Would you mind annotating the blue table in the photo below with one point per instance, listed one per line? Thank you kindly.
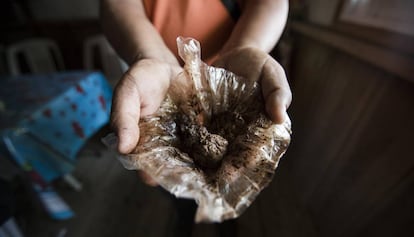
(46, 119)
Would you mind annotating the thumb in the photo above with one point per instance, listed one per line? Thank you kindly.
(277, 103)
(125, 114)
(276, 91)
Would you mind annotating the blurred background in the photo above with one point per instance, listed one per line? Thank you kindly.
(349, 170)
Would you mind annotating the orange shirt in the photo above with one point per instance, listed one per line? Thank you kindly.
(207, 21)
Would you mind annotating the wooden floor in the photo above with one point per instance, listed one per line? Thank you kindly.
(114, 202)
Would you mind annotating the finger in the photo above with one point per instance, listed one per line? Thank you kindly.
(147, 179)
(277, 103)
(276, 91)
(125, 114)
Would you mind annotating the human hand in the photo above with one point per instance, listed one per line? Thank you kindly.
(254, 64)
(139, 93)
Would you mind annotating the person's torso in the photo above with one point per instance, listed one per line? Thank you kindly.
(208, 21)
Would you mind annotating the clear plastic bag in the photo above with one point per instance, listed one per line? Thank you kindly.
(210, 140)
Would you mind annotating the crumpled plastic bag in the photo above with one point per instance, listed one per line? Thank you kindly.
(210, 140)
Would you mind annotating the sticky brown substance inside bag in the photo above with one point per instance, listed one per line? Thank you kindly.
(208, 142)
(207, 149)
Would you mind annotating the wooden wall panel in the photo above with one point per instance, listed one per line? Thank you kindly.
(351, 153)
(399, 211)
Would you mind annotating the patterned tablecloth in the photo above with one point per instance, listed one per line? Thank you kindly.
(46, 119)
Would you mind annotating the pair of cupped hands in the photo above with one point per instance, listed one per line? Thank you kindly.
(143, 87)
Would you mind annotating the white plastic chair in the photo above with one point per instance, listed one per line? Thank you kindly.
(109, 62)
(41, 56)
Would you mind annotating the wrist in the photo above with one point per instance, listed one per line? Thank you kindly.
(238, 55)
(164, 56)
(170, 70)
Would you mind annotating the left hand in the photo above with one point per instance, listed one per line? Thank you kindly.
(259, 66)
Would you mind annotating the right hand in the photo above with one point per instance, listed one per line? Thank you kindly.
(139, 93)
